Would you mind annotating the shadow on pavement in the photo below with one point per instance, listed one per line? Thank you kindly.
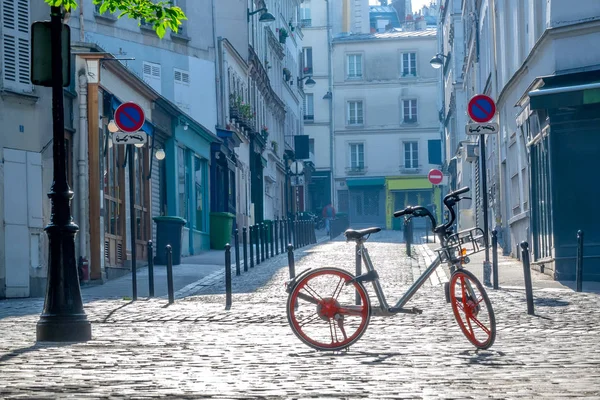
(548, 302)
(24, 350)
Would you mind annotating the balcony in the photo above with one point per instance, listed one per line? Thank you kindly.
(411, 170)
(309, 118)
(307, 71)
(305, 23)
(356, 170)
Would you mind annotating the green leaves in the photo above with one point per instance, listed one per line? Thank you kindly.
(162, 15)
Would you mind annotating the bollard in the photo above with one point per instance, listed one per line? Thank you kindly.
(495, 258)
(292, 267)
(150, 269)
(237, 253)
(281, 235)
(408, 236)
(579, 266)
(227, 276)
(272, 236)
(251, 237)
(276, 235)
(245, 249)
(170, 274)
(527, 276)
(289, 230)
(264, 247)
(427, 222)
(257, 239)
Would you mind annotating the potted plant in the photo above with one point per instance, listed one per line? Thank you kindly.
(283, 34)
(287, 74)
(274, 145)
(264, 131)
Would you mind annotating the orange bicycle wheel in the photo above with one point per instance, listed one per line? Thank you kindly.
(472, 309)
(322, 309)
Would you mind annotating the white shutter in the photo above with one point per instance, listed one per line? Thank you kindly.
(152, 75)
(34, 190)
(16, 45)
(182, 90)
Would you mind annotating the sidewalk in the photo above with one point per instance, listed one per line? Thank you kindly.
(197, 349)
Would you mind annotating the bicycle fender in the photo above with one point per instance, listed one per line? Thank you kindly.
(291, 283)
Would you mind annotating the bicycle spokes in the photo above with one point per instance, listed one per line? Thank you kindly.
(472, 309)
(322, 310)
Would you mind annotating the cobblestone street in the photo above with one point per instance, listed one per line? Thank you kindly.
(197, 349)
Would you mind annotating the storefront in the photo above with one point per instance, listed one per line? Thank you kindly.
(410, 191)
(561, 120)
(187, 165)
(364, 200)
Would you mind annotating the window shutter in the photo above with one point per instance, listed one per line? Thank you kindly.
(16, 45)
(34, 190)
(182, 90)
(152, 76)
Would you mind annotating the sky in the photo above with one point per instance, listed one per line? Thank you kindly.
(416, 4)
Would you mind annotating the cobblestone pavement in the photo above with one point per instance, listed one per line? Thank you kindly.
(197, 349)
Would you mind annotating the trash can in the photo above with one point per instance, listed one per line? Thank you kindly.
(168, 231)
(221, 224)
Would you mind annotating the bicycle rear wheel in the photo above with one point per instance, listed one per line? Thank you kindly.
(472, 309)
(322, 309)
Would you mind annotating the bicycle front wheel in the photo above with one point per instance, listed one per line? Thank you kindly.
(323, 312)
(472, 309)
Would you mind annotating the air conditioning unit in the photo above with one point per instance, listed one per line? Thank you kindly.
(471, 152)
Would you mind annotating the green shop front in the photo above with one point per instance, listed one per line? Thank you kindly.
(410, 191)
(187, 165)
(560, 120)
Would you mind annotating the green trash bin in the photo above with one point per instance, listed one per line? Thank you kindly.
(168, 231)
(221, 224)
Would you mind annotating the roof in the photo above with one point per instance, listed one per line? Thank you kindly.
(395, 34)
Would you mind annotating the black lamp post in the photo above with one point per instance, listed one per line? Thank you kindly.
(63, 318)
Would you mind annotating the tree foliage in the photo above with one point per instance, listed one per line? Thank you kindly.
(162, 15)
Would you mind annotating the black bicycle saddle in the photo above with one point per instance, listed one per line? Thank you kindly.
(352, 234)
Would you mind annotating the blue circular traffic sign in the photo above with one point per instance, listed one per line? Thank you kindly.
(481, 108)
(129, 117)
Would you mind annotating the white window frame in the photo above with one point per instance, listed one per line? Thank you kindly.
(408, 73)
(412, 103)
(309, 106)
(410, 162)
(351, 60)
(355, 164)
(358, 119)
(16, 41)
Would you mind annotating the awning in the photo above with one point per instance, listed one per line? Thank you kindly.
(147, 127)
(355, 182)
(566, 90)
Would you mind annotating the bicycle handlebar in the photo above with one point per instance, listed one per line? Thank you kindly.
(449, 201)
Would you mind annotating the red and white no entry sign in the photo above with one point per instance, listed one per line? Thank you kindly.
(435, 176)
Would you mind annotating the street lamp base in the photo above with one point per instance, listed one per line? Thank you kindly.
(57, 328)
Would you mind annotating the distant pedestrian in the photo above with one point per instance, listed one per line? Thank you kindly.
(328, 214)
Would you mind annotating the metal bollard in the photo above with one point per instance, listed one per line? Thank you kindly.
(257, 239)
(251, 233)
(227, 276)
(427, 222)
(272, 236)
(281, 235)
(170, 274)
(276, 235)
(291, 265)
(495, 258)
(150, 269)
(527, 276)
(264, 246)
(237, 253)
(579, 265)
(245, 248)
(408, 236)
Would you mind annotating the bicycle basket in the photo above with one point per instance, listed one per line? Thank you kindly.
(472, 240)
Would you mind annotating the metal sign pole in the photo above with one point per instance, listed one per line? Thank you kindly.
(483, 177)
(132, 219)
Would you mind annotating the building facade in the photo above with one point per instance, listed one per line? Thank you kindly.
(386, 123)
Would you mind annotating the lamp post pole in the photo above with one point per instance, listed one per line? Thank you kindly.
(63, 318)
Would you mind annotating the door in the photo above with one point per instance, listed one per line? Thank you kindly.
(22, 211)
(114, 209)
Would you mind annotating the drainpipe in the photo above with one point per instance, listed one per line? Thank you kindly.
(81, 31)
(331, 128)
(81, 162)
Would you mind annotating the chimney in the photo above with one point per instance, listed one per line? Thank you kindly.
(400, 7)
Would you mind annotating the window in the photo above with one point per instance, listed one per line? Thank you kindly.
(182, 90)
(182, 179)
(307, 62)
(199, 192)
(409, 111)
(311, 146)
(409, 64)
(309, 107)
(152, 75)
(15, 45)
(411, 155)
(355, 66)
(355, 113)
(305, 15)
(357, 156)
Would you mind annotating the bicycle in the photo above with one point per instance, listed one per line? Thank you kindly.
(334, 312)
